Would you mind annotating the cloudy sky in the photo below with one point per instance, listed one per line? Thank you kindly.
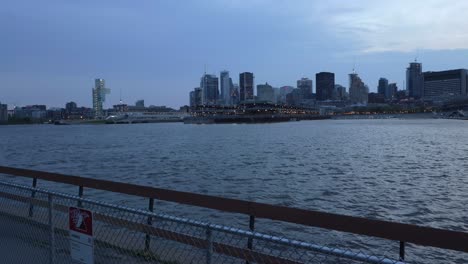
(157, 50)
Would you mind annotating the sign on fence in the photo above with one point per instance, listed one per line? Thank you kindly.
(81, 235)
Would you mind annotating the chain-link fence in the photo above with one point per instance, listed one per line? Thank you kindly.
(35, 229)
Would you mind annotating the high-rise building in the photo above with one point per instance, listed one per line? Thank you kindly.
(443, 85)
(265, 93)
(3, 113)
(210, 91)
(383, 86)
(196, 97)
(284, 91)
(226, 87)
(246, 86)
(325, 82)
(305, 85)
(358, 91)
(340, 92)
(99, 97)
(295, 97)
(414, 80)
(391, 91)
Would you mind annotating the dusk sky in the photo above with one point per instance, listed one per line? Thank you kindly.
(51, 51)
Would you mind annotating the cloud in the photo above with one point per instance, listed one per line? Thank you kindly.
(398, 25)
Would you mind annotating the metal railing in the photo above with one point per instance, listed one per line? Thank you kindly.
(402, 233)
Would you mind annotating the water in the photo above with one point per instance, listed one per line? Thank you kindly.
(411, 171)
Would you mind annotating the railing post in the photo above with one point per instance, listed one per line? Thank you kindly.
(33, 194)
(80, 194)
(252, 228)
(149, 222)
(402, 250)
(209, 245)
(52, 229)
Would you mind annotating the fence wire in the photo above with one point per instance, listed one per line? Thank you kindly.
(34, 228)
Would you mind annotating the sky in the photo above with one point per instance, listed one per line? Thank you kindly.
(157, 50)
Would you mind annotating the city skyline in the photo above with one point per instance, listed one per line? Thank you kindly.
(57, 48)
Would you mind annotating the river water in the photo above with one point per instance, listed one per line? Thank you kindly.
(412, 171)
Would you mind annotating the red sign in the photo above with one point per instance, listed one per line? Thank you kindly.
(80, 220)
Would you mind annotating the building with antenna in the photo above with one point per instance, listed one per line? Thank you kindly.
(358, 91)
(209, 87)
(414, 80)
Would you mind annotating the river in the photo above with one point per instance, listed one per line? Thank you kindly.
(404, 170)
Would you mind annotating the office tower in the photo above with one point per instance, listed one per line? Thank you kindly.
(325, 82)
(444, 85)
(358, 91)
(99, 97)
(341, 93)
(246, 86)
(305, 85)
(414, 80)
(226, 87)
(383, 86)
(210, 91)
(265, 93)
(391, 91)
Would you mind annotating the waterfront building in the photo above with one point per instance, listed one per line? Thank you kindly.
(305, 85)
(226, 87)
(444, 85)
(265, 93)
(391, 91)
(3, 113)
(210, 91)
(99, 97)
(325, 82)
(358, 91)
(246, 86)
(383, 86)
(414, 80)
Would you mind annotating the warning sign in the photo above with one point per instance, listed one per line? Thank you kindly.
(81, 235)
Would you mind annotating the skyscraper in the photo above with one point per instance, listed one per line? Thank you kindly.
(383, 86)
(341, 93)
(325, 82)
(225, 84)
(196, 97)
(305, 85)
(99, 97)
(246, 86)
(265, 93)
(358, 91)
(414, 80)
(210, 91)
(391, 91)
